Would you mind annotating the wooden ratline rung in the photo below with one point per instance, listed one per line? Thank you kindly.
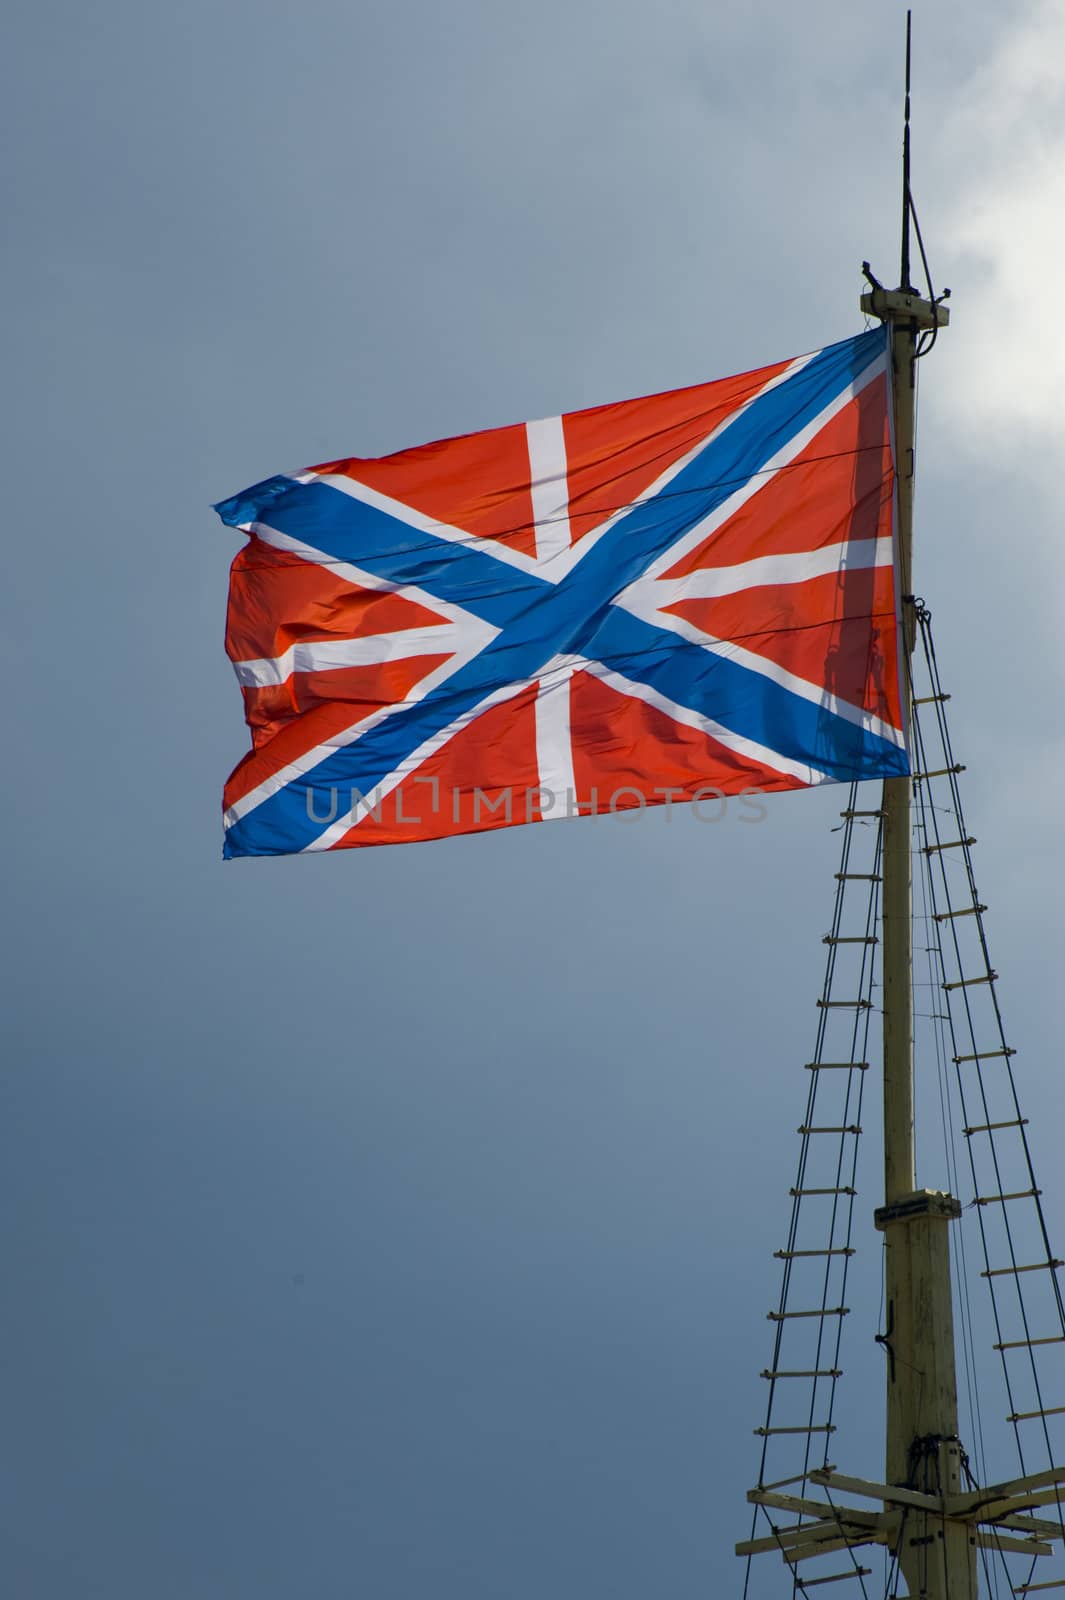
(852, 1128)
(850, 938)
(825, 1311)
(984, 1055)
(837, 1577)
(858, 877)
(821, 1547)
(951, 844)
(940, 772)
(930, 699)
(837, 1066)
(813, 1372)
(989, 1127)
(849, 815)
(965, 983)
(1017, 1194)
(799, 1477)
(810, 1427)
(965, 911)
(1027, 1416)
(1030, 1588)
(844, 1005)
(800, 1194)
(1026, 1344)
(1011, 1272)
(793, 1255)
(844, 1539)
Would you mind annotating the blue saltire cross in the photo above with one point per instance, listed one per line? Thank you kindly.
(538, 620)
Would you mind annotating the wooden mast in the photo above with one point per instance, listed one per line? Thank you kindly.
(923, 1451)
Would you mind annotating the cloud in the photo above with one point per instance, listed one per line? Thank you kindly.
(1001, 233)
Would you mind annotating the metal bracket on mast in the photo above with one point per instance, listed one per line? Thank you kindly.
(922, 1203)
(904, 305)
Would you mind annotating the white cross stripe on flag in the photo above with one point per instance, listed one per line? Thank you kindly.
(549, 483)
(482, 531)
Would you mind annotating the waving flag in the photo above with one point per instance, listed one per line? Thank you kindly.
(643, 603)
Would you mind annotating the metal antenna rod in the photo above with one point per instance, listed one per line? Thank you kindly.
(904, 279)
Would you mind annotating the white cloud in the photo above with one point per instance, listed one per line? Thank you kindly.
(1000, 233)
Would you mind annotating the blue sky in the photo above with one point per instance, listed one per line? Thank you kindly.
(403, 1222)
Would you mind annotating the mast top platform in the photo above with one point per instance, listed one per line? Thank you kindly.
(904, 305)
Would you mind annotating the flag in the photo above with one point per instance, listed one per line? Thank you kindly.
(684, 596)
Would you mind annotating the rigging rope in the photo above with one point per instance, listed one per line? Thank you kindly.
(984, 1079)
(999, 1104)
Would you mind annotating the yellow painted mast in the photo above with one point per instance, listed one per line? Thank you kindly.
(923, 1451)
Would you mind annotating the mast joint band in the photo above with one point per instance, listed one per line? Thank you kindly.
(924, 1203)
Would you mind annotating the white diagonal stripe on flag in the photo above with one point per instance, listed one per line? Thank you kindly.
(816, 693)
(698, 534)
(578, 551)
(499, 548)
(408, 766)
(749, 749)
(474, 633)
